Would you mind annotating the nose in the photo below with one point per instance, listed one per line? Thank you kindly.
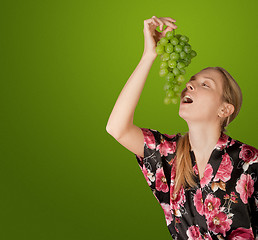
(189, 86)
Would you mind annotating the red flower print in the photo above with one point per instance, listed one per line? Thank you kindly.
(149, 138)
(211, 205)
(195, 168)
(177, 200)
(219, 223)
(207, 176)
(249, 154)
(161, 181)
(245, 187)
(222, 142)
(165, 147)
(241, 234)
(225, 169)
(198, 202)
(168, 215)
(193, 233)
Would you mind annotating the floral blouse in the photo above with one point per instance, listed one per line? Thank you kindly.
(223, 205)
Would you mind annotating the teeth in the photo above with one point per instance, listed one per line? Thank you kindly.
(186, 97)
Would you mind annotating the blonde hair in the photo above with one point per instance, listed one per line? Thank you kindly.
(184, 170)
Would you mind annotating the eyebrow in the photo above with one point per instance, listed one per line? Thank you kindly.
(194, 78)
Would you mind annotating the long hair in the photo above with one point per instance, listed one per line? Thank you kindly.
(184, 170)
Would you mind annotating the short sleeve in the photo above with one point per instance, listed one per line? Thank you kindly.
(159, 153)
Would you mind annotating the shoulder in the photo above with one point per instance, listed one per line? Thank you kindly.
(153, 134)
(164, 143)
(246, 154)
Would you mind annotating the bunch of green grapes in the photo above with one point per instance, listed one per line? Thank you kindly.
(175, 55)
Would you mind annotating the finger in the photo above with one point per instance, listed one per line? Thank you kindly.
(172, 25)
(170, 19)
(161, 24)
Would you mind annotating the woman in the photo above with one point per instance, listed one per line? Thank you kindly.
(205, 181)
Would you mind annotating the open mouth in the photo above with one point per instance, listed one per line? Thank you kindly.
(187, 99)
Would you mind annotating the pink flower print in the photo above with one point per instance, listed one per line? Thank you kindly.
(167, 212)
(211, 205)
(149, 176)
(161, 181)
(245, 187)
(225, 169)
(219, 223)
(193, 233)
(145, 173)
(207, 176)
(166, 147)
(207, 236)
(149, 138)
(195, 168)
(241, 234)
(198, 202)
(232, 142)
(249, 154)
(222, 142)
(177, 200)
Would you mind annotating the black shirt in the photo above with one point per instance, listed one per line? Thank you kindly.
(223, 205)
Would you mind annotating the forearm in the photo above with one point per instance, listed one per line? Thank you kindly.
(122, 114)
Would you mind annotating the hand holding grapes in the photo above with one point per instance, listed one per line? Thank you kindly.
(152, 36)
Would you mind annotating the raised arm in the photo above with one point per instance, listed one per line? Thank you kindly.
(120, 123)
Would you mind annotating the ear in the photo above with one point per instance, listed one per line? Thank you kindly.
(226, 110)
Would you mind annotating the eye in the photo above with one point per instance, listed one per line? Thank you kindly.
(205, 84)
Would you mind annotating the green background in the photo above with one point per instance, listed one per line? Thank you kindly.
(63, 65)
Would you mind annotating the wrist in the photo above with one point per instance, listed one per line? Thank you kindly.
(149, 55)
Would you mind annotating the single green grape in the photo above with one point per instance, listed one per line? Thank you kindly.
(167, 100)
(174, 56)
(163, 72)
(164, 64)
(178, 36)
(163, 41)
(188, 57)
(193, 53)
(170, 93)
(186, 62)
(182, 71)
(176, 88)
(158, 43)
(174, 41)
(165, 56)
(167, 86)
(184, 38)
(176, 71)
(170, 76)
(180, 78)
(169, 48)
(160, 49)
(172, 63)
(174, 100)
(178, 48)
(180, 65)
(169, 34)
(181, 43)
(187, 49)
(182, 55)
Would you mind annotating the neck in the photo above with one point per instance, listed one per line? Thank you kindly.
(203, 138)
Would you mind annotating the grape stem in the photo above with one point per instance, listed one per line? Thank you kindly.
(174, 32)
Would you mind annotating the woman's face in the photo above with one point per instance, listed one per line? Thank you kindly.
(205, 89)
